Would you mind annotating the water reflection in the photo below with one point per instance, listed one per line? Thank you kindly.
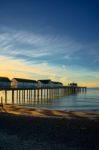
(35, 97)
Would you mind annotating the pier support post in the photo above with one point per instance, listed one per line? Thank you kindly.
(17, 96)
(41, 94)
(24, 96)
(34, 94)
(47, 93)
(5, 97)
(31, 96)
(44, 93)
(27, 95)
(52, 93)
(37, 94)
(12, 96)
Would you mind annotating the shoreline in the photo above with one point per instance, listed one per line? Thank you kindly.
(82, 110)
(37, 129)
(39, 112)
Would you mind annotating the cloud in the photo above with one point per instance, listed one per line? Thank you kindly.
(13, 68)
(29, 55)
(25, 45)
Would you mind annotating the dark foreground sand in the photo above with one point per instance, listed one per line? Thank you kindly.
(29, 132)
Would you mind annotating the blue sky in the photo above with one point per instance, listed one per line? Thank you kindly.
(57, 39)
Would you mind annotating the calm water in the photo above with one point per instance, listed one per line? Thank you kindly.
(81, 101)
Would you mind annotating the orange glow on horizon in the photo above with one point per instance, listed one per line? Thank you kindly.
(12, 68)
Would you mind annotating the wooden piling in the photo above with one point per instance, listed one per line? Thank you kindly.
(12, 96)
(5, 96)
(17, 96)
(34, 94)
(41, 93)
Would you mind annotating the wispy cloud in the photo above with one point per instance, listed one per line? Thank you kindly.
(27, 44)
(47, 56)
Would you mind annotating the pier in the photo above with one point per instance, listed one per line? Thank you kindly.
(31, 95)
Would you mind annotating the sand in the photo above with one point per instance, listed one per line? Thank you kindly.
(36, 112)
(41, 129)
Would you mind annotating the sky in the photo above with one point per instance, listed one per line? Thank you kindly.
(50, 39)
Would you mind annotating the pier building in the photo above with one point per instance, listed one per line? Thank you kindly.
(23, 83)
(5, 82)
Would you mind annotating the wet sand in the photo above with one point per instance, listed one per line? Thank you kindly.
(41, 129)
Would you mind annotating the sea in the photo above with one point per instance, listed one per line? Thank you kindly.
(81, 101)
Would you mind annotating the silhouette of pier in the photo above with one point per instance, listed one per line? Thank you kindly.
(30, 95)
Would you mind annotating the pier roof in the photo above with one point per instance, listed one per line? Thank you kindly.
(4, 79)
(25, 80)
(45, 81)
(56, 82)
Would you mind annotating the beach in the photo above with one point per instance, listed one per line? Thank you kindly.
(41, 129)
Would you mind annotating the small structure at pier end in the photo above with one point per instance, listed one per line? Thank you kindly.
(73, 84)
(23, 83)
(5, 82)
